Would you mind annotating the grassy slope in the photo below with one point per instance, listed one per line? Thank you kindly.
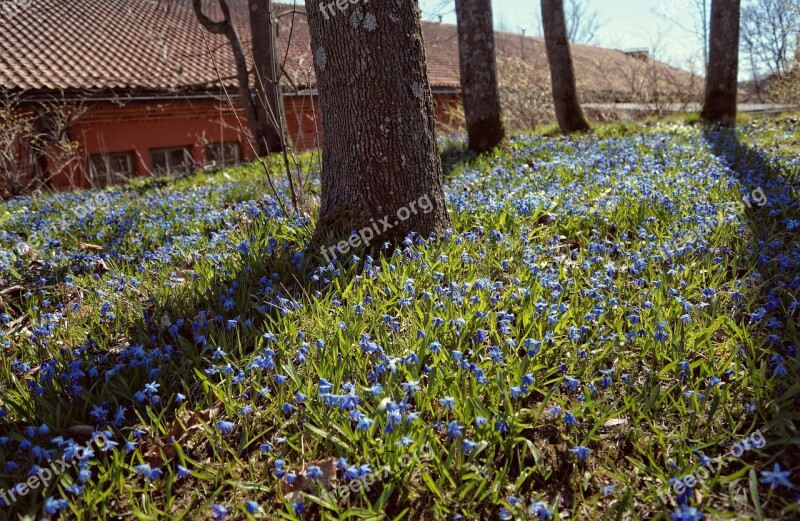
(572, 282)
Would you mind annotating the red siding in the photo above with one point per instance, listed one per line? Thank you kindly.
(140, 126)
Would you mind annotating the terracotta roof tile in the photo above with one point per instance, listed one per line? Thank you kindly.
(157, 45)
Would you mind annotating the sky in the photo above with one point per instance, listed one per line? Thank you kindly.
(624, 24)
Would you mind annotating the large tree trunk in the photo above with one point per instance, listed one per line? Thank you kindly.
(723, 63)
(379, 148)
(562, 72)
(269, 102)
(479, 93)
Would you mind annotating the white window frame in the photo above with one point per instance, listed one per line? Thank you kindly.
(170, 168)
(108, 176)
(220, 146)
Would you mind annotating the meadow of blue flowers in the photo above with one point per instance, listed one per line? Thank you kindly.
(596, 326)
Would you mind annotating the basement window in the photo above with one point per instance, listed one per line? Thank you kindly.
(108, 169)
(171, 160)
(220, 155)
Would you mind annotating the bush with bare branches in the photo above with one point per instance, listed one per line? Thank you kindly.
(524, 94)
(785, 90)
(35, 145)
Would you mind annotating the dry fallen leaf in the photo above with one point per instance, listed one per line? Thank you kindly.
(101, 267)
(614, 422)
(545, 219)
(89, 247)
(293, 492)
(81, 431)
(13, 292)
(186, 422)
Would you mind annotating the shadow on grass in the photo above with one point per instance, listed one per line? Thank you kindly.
(168, 348)
(768, 188)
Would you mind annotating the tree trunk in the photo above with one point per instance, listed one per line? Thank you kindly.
(379, 149)
(723, 63)
(249, 102)
(479, 93)
(266, 62)
(562, 72)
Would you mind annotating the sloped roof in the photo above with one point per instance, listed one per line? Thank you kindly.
(157, 45)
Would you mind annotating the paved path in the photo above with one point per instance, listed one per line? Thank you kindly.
(747, 108)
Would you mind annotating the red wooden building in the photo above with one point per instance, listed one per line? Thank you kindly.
(149, 92)
(146, 84)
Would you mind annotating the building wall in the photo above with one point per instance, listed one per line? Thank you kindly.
(138, 127)
(449, 112)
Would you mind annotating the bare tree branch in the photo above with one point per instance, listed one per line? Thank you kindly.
(208, 24)
(582, 23)
(227, 28)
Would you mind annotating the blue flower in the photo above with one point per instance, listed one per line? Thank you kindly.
(581, 452)
(314, 472)
(364, 423)
(540, 509)
(448, 402)
(533, 346)
(405, 441)
(252, 507)
(686, 513)
(775, 477)
(147, 472)
(52, 506)
(183, 472)
(454, 429)
(225, 427)
(298, 507)
(572, 384)
(218, 512)
(410, 387)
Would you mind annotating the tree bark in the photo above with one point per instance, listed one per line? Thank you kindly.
(249, 102)
(266, 65)
(379, 146)
(479, 91)
(562, 71)
(723, 64)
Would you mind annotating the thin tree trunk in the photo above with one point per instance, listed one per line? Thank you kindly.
(479, 92)
(379, 148)
(562, 71)
(269, 102)
(723, 63)
(227, 28)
